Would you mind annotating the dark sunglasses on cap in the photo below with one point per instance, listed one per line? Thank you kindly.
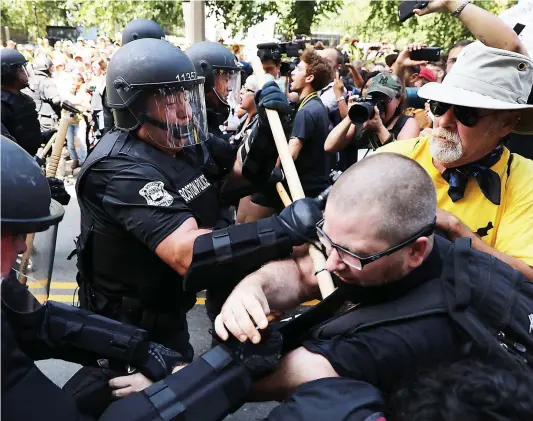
(358, 262)
(467, 116)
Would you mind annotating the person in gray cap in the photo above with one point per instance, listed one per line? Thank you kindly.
(484, 191)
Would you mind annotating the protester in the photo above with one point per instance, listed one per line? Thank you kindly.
(377, 234)
(309, 130)
(333, 96)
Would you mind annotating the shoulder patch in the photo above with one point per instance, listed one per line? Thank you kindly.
(155, 194)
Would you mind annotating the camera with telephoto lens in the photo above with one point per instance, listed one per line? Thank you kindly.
(363, 109)
(274, 50)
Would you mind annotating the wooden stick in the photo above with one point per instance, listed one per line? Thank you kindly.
(23, 268)
(325, 282)
(283, 195)
(59, 142)
(48, 145)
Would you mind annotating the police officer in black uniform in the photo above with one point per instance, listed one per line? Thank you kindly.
(136, 29)
(44, 92)
(218, 66)
(19, 115)
(31, 331)
(147, 206)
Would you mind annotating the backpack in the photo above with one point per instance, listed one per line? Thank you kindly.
(488, 301)
(494, 310)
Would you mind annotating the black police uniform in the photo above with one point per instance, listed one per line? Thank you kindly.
(43, 90)
(132, 196)
(20, 118)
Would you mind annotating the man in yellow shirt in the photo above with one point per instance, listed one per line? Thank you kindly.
(484, 192)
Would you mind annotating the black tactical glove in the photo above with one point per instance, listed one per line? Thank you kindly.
(160, 362)
(300, 219)
(272, 98)
(57, 189)
(260, 359)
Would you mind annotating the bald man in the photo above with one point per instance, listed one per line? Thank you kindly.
(333, 96)
(377, 234)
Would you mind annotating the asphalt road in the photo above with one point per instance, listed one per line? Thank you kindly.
(63, 288)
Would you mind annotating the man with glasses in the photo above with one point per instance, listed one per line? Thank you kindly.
(377, 234)
(484, 192)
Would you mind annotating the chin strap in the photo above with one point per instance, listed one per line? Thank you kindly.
(178, 131)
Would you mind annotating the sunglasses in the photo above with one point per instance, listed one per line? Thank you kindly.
(358, 262)
(467, 116)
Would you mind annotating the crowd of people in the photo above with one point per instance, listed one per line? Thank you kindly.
(427, 240)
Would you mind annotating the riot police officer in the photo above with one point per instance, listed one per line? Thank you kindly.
(147, 207)
(19, 115)
(136, 29)
(44, 92)
(31, 331)
(218, 66)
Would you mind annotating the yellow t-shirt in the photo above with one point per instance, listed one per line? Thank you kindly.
(508, 227)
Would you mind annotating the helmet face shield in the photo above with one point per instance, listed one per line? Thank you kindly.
(29, 258)
(227, 86)
(175, 117)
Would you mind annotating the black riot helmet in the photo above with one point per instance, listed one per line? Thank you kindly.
(26, 205)
(221, 71)
(42, 63)
(152, 82)
(11, 61)
(141, 28)
(29, 220)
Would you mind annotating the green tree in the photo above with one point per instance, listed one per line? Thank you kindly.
(109, 15)
(113, 15)
(378, 21)
(33, 16)
(296, 17)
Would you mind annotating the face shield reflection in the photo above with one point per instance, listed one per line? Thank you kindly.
(176, 116)
(32, 262)
(227, 86)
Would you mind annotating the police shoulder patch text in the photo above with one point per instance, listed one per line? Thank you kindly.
(155, 194)
(194, 189)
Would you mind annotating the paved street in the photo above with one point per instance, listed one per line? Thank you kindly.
(63, 289)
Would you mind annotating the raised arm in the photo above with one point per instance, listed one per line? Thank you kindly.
(486, 27)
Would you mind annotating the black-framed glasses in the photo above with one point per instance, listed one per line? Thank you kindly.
(359, 262)
(467, 116)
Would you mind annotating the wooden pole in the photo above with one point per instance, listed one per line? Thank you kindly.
(325, 282)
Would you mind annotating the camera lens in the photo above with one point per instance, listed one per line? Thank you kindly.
(361, 112)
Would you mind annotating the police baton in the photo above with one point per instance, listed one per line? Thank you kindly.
(325, 282)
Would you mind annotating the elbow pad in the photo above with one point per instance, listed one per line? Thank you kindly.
(228, 255)
(106, 338)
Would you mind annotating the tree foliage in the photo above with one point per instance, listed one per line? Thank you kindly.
(378, 21)
(108, 15)
(295, 17)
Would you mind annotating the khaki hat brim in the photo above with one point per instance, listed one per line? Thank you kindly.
(459, 96)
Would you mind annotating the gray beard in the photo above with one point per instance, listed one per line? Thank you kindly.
(446, 153)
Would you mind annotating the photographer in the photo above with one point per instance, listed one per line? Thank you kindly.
(387, 95)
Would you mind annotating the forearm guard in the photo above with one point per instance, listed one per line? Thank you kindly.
(207, 389)
(225, 256)
(77, 329)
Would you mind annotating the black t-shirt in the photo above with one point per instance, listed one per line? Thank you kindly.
(135, 196)
(385, 355)
(311, 127)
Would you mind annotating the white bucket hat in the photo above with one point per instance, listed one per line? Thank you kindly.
(489, 78)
